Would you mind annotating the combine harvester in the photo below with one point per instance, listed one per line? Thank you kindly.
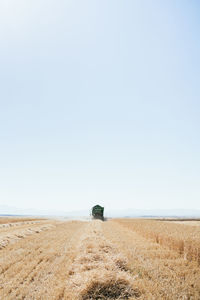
(97, 212)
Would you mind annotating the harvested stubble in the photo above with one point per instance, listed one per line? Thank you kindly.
(179, 237)
(36, 267)
(93, 260)
(160, 273)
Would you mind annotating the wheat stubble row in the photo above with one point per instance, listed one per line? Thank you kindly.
(36, 267)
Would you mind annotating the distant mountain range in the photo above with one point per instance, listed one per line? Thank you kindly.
(9, 210)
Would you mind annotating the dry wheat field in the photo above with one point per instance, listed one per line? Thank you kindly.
(117, 259)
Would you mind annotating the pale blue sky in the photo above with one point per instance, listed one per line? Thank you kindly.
(100, 103)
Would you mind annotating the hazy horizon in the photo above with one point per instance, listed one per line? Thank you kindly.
(99, 103)
(108, 213)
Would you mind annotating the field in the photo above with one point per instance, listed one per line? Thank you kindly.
(116, 259)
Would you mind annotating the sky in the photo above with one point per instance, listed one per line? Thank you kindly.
(100, 103)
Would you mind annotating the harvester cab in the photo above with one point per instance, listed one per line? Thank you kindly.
(97, 212)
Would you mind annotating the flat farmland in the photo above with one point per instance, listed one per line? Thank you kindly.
(116, 259)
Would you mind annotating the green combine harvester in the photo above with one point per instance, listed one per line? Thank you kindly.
(97, 212)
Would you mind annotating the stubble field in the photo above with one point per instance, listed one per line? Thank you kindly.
(116, 259)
